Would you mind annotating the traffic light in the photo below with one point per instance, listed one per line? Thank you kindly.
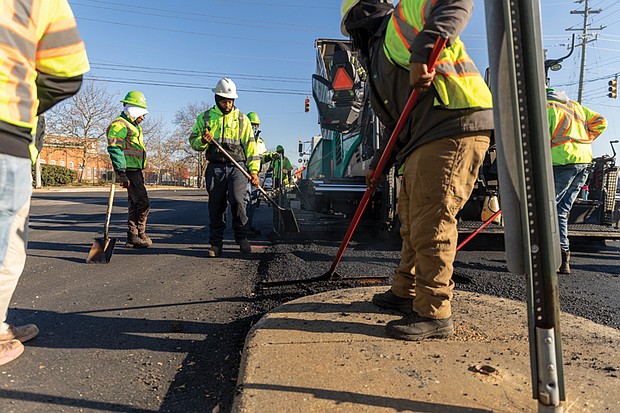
(307, 105)
(613, 88)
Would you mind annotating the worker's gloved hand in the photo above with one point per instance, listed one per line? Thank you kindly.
(124, 181)
(373, 184)
(420, 78)
(254, 179)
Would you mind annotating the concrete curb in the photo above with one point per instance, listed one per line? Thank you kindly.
(328, 353)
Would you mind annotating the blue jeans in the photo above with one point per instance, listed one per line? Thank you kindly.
(568, 182)
(15, 191)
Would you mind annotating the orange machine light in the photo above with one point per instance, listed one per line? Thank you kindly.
(342, 80)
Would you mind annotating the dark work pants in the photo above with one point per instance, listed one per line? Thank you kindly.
(139, 204)
(226, 184)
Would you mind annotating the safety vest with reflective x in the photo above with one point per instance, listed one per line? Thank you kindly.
(573, 128)
(457, 81)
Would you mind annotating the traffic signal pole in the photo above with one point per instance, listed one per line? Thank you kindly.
(517, 77)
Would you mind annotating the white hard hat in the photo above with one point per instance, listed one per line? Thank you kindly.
(226, 88)
(346, 7)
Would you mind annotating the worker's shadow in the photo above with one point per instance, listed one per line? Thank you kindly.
(106, 329)
(68, 333)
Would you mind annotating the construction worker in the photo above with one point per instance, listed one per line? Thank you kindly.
(265, 157)
(43, 60)
(572, 128)
(439, 151)
(232, 130)
(128, 155)
(282, 167)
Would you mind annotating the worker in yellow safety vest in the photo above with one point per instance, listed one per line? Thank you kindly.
(281, 166)
(439, 151)
(572, 129)
(128, 156)
(228, 126)
(42, 62)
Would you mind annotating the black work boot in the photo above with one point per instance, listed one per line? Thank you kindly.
(390, 301)
(412, 327)
(244, 246)
(214, 251)
(565, 267)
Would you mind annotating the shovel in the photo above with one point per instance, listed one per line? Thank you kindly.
(102, 249)
(290, 222)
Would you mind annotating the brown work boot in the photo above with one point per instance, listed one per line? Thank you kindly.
(134, 241)
(390, 301)
(565, 266)
(244, 246)
(412, 327)
(146, 240)
(10, 350)
(214, 251)
(21, 333)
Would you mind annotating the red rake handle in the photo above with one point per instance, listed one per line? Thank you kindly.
(437, 48)
(483, 226)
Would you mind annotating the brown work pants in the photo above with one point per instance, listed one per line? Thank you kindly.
(438, 179)
(139, 204)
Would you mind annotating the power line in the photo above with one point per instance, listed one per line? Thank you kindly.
(133, 26)
(194, 86)
(225, 20)
(198, 73)
(584, 40)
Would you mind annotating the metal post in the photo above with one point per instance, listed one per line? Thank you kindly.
(37, 174)
(526, 182)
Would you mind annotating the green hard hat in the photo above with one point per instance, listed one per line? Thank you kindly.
(254, 119)
(279, 148)
(135, 98)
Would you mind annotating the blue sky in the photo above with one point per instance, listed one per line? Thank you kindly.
(176, 51)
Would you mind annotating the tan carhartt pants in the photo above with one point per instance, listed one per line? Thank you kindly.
(437, 181)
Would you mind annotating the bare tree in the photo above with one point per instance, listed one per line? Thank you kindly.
(184, 120)
(85, 118)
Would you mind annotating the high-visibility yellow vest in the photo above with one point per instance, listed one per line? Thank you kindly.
(572, 129)
(35, 35)
(233, 132)
(126, 144)
(457, 81)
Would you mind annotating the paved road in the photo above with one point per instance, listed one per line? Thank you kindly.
(161, 330)
(153, 330)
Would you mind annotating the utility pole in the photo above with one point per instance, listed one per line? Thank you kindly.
(584, 39)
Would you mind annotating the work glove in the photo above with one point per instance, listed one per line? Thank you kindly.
(124, 181)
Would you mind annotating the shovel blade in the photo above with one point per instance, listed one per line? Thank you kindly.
(289, 220)
(101, 251)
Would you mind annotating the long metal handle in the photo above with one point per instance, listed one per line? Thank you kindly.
(110, 204)
(439, 45)
(245, 173)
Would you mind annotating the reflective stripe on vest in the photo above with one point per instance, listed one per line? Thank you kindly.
(35, 35)
(231, 145)
(570, 140)
(572, 124)
(135, 158)
(458, 82)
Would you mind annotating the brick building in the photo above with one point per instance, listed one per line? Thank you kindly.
(80, 155)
